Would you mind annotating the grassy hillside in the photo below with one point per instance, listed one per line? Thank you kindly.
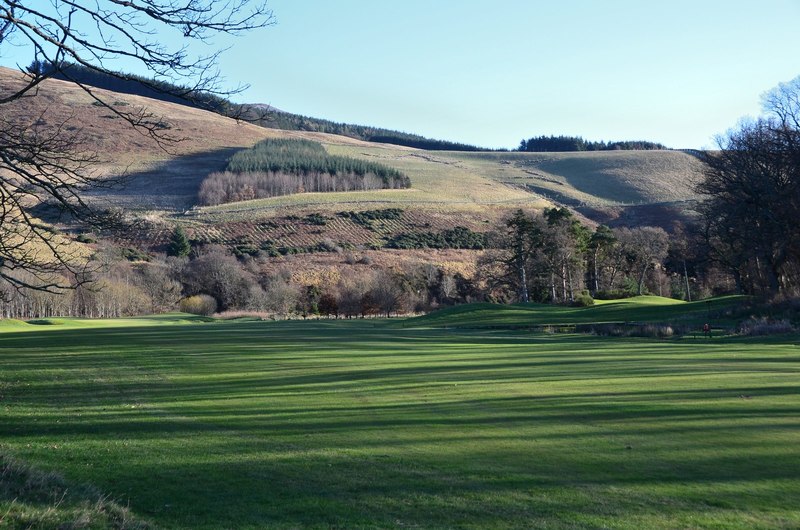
(448, 189)
(359, 424)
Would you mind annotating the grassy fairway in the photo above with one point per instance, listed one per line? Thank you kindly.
(365, 424)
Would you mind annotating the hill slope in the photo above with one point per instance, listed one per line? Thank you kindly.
(448, 189)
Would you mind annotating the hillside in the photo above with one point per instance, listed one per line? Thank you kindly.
(448, 189)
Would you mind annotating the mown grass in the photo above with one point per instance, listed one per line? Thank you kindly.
(361, 424)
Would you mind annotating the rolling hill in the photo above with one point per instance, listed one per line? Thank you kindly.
(470, 189)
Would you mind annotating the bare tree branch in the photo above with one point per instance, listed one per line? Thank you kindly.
(49, 163)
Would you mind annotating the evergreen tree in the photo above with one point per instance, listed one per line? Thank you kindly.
(179, 244)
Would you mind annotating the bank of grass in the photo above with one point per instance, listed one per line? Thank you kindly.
(360, 424)
(721, 311)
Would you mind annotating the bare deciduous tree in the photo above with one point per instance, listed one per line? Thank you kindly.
(752, 189)
(646, 247)
(51, 163)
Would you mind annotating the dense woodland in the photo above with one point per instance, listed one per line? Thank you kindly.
(543, 257)
(281, 167)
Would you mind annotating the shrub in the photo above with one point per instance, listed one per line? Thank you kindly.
(199, 304)
(583, 300)
(134, 254)
(458, 237)
(316, 219)
(366, 218)
(241, 251)
(615, 294)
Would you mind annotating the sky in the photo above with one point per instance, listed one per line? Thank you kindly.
(491, 73)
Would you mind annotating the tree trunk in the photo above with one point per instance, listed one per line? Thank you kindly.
(569, 283)
(641, 279)
(523, 277)
(686, 278)
(737, 279)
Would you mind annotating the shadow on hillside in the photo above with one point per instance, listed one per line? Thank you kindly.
(664, 215)
(167, 185)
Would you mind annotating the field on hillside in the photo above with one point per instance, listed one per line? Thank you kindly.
(477, 190)
(474, 190)
(192, 423)
(443, 180)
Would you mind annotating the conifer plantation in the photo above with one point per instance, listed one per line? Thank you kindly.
(281, 167)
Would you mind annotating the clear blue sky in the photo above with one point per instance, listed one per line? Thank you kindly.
(494, 72)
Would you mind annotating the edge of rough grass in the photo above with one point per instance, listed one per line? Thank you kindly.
(30, 498)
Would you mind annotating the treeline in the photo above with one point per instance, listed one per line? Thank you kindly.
(546, 144)
(135, 84)
(295, 122)
(276, 167)
(212, 280)
(259, 114)
(544, 257)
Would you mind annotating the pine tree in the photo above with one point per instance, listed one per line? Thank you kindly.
(179, 244)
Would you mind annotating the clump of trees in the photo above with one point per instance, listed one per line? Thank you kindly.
(752, 198)
(281, 167)
(576, 143)
(552, 257)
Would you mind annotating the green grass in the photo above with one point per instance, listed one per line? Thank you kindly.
(362, 424)
(634, 310)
